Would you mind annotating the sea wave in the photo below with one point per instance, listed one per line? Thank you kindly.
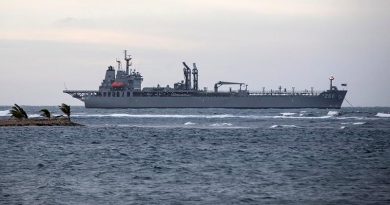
(333, 113)
(288, 113)
(152, 116)
(4, 113)
(284, 126)
(217, 116)
(359, 123)
(33, 115)
(381, 114)
(189, 123)
(221, 124)
(303, 117)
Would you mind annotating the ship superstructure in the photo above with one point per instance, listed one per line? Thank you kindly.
(123, 89)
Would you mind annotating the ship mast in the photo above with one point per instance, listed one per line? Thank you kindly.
(331, 82)
(119, 64)
(127, 59)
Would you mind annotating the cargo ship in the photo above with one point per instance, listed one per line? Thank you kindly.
(122, 88)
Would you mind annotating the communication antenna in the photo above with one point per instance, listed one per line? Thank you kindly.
(65, 86)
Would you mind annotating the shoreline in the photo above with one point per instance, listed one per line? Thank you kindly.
(37, 122)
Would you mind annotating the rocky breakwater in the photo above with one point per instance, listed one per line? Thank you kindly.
(37, 122)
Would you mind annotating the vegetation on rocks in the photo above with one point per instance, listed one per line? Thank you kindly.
(65, 109)
(45, 113)
(19, 117)
(18, 112)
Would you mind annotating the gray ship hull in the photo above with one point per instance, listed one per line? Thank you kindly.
(328, 99)
(123, 89)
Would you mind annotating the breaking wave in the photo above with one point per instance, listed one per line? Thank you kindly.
(288, 113)
(381, 114)
(284, 126)
(331, 114)
(189, 123)
(33, 115)
(152, 116)
(4, 113)
(359, 123)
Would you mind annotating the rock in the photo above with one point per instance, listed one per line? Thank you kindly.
(38, 122)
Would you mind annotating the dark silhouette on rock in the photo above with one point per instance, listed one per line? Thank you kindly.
(45, 113)
(18, 112)
(65, 109)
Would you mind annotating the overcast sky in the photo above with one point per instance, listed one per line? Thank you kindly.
(292, 43)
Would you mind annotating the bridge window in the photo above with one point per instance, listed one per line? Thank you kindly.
(128, 94)
(117, 94)
(109, 94)
(104, 94)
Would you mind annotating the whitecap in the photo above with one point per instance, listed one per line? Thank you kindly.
(302, 117)
(333, 113)
(121, 115)
(33, 115)
(359, 123)
(284, 126)
(288, 113)
(290, 126)
(381, 114)
(221, 124)
(189, 123)
(4, 113)
(342, 127)
(347, 118)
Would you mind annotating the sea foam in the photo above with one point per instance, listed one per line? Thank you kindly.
(221, 124)
(288, 113)
(4, 113)
(122, 115)
(189, 123)
(333, 113)
(381, 114)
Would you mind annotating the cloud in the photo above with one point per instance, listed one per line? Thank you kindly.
(273, 8)
(99, 36)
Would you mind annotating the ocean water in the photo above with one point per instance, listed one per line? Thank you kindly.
(199, 156)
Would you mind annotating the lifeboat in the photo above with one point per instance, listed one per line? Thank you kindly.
(118, 85)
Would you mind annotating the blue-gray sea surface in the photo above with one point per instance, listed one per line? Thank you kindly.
(199, 156)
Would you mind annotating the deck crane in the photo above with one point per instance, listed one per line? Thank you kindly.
(220, 83)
